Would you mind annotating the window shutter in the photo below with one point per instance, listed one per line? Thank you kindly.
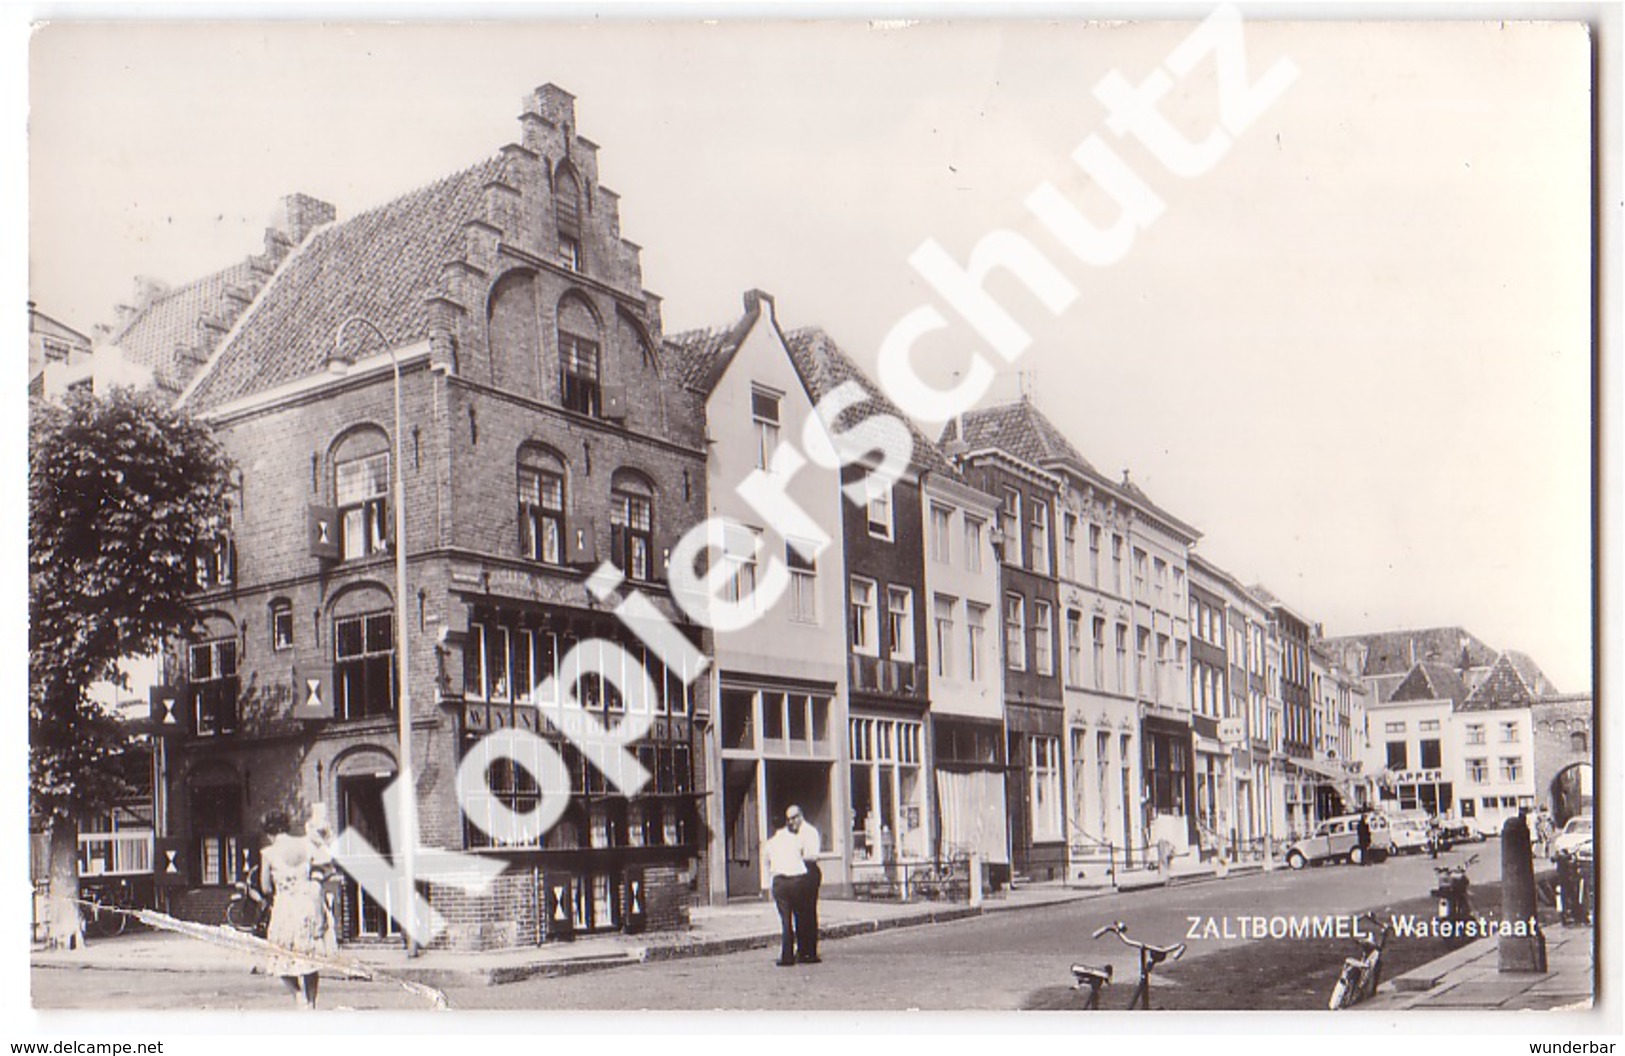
(322, 531)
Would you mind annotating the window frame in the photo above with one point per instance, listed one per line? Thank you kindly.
(535, 518)
(1015, 631)
(371, 511)
(368, 660)
(863, 617)
(900, 623)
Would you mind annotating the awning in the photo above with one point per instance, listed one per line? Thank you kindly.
(1329, 770)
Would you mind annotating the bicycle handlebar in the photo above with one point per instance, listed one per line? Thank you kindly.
(1160, 953)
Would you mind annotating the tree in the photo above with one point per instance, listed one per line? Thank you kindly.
(122, 493)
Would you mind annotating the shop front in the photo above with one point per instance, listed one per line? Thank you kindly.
(777, 749)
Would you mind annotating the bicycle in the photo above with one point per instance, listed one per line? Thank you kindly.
(1096, 976)
(1361, 975)
(249, 910)
(105, 913)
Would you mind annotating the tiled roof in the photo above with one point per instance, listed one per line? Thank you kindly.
(824, 367)
(1019, 429)
(696, 359)
(1533, 676)
(382, 264)
(1503, 686)
(1396, 652)
(179, 329)
(1431, 681)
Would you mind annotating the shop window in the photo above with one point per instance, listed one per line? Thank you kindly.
(1044, 776)
(362, 491)
(214, 687)
(887, 790)
(364, 668)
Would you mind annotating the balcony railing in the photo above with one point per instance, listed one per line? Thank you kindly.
(871, 674)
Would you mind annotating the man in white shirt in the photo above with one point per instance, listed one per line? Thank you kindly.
(783, 854)
(807, 918)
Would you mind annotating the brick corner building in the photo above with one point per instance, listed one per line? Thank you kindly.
(539, 438)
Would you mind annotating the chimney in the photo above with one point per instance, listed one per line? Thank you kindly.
(297, 215)
(754, 299)
(555, 105)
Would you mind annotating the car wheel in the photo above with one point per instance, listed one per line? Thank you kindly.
(1296, 860)
(1393, 850)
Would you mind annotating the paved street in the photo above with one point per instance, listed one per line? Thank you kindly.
(997, 961)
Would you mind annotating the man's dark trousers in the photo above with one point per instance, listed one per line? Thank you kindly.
(789, 892)
(807, 917)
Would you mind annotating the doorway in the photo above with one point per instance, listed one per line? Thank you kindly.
(361, 809)
(740, 821)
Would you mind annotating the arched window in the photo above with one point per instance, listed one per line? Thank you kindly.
(580, 381)
(631, 517)
(541, 506)
(1577, 741)
(567, 216)
(512, 333)
(361, 493)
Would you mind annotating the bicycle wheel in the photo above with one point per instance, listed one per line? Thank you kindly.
(240, 914)
(1347, 990)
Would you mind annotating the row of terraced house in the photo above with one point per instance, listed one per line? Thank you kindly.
(1004, 656)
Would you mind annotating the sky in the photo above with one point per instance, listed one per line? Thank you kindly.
(1354, 352)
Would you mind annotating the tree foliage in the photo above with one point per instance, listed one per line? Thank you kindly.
(121, 493)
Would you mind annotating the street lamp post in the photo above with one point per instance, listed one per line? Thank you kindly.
(408, 786)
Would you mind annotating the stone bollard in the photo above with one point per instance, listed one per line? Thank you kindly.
(1519, 952)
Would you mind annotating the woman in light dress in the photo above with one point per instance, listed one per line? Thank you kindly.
(292, 869)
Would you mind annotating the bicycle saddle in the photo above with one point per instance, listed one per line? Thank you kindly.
(1093, 975)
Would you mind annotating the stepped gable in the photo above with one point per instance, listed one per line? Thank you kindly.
(1503, 687)
(173, 332)
(824, 367)
(385, 265)
(1430, 681)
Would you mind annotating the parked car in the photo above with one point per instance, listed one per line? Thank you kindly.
(1337, 839)
(1407, 834)
(1457, 830)
(1575, 833)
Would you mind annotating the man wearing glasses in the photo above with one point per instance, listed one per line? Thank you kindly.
(791, 884)
(807, 920)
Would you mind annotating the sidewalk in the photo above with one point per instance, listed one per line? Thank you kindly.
(713, 930)
(1470, 978)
